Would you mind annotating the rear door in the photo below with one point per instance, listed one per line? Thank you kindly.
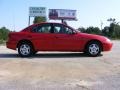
(42, 37)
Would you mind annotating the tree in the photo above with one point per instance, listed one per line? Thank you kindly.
(82, 29)
(90, 30)
(114, 28)
(4, 34)
(111, 20)
(105, 31)
(116, 33)
(39, 19)
(93, 30)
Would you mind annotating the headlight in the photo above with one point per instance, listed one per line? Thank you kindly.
(108, 40)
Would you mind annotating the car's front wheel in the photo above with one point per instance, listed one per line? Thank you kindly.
(93, 48)
(25, 50)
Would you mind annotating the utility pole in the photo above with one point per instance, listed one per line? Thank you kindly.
(29, 21)
(101, 25)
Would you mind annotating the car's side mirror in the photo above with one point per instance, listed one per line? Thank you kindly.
(73, 32)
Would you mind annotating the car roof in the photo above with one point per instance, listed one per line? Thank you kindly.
(48, 23)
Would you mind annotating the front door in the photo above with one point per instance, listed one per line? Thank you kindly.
(65, 40)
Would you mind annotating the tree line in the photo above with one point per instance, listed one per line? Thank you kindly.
(112, 31)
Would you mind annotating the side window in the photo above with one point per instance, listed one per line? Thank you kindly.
(67, 30)
(57, 28)
(45, 28)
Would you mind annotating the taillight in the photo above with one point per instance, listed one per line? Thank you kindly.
(9, 35)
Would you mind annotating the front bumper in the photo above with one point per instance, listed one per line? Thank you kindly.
(107, 46)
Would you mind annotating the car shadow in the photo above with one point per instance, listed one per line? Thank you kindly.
(59, 55)
(48, 55)
(9, 56)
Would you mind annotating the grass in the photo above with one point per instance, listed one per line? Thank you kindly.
(2, 42)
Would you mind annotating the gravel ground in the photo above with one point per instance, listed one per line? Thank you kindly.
(60, 71)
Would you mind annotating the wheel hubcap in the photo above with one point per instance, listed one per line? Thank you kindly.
(25, 49)
(94, 49)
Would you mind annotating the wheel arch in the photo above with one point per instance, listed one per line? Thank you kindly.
(93, 40)
(25, 41)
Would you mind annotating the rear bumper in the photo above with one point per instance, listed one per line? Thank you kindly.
(107, 46)
(11, 45)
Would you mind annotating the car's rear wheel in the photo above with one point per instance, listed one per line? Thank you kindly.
(34, 52)
(25, 49)
(93, 48)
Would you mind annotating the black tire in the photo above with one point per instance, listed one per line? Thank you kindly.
(34, 52)
(93, 49)
(25, 49)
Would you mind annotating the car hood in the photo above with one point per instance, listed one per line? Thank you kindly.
(92, 36)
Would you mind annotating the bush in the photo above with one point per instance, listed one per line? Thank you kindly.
(3, 34)
(91, 30)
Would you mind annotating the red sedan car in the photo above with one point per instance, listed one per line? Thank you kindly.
(56, 37)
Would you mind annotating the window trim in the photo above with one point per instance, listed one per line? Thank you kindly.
(56, 24)
(62, 27)
(40, 25)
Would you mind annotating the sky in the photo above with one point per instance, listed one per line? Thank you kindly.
(14, 13)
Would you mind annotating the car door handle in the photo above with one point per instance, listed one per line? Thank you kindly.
(59, 36)
(29, 36)
(56, 37)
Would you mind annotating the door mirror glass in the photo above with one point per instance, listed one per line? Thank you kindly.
(74, 32)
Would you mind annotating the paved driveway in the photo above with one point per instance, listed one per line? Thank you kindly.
(60, 71)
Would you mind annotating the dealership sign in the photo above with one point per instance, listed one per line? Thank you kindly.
(37, 11)
(62, 14)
